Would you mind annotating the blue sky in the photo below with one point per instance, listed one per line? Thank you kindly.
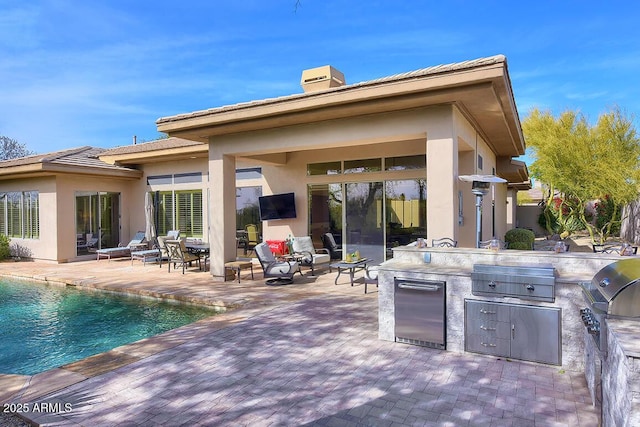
(97, 72)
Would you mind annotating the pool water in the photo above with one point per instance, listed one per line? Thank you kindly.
(44, 326)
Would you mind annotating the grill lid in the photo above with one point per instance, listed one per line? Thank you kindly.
(613, 278)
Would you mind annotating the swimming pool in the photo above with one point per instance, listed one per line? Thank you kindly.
(46, 326)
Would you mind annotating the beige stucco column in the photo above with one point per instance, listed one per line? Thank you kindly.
(222, 209)
(442, 166)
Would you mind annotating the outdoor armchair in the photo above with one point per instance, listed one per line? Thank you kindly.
(329, 243)
(280, 272)
(309, 256)
(253, 237)
(370, 276)
(179, 255)
(160, 241)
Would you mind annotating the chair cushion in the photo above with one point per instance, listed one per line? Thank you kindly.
(264, 254)
(321, 258)
(303, 244)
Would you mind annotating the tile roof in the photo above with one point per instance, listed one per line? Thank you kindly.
(160, 144)
(81, 156)
(423, 72)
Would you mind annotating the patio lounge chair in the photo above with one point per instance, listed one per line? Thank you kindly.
(138, 242)
(309, 256)
(158, 251)
(180, 256)
(329, 243)
(281, 272)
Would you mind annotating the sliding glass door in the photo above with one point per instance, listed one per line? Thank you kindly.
(406, 212)
(325, 212)
(97, 221)
(371, 217)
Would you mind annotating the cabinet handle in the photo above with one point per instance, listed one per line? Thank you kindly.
(485, 328)
(483, 311)
(484, 344)
(492, 284)
(513, 331)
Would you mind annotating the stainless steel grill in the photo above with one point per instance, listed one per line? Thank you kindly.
(612, 292)
(531, 282)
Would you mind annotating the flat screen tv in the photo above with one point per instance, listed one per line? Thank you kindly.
(277, 206)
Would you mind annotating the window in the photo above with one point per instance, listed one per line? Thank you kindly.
(189, 212)
(159, 179)
(364, 165)
(249, 173)
(180, 210)
(19, 214)
(183, 178)
(247, 210)
(405, 163)
(327, 168)
(179, 178)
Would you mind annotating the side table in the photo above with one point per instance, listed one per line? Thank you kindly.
(237, 266)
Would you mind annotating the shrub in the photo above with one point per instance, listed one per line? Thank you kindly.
(4, 247)
(520, 238)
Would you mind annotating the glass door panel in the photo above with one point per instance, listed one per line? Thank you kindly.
(325, 212)
(406, 212)
(364, 231)
(110, 220)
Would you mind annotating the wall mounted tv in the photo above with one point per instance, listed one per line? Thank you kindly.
(277, 206)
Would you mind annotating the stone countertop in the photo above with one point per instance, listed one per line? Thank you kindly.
(628, 333)
(427, 268)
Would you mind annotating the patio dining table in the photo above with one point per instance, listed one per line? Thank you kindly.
(200, 249)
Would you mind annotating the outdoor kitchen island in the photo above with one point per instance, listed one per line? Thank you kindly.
(452, 268)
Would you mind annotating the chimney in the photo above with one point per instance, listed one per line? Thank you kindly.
(321, 78)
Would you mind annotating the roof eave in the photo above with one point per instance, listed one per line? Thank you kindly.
(178, 153)
(49, 169)
(376, 97)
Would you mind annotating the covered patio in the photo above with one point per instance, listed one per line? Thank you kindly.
(458, 118)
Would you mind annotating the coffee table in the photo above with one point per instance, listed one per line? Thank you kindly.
(350, 266)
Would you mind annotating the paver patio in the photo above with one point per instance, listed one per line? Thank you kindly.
(303, 354)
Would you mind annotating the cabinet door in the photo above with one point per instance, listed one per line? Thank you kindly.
(535, 334)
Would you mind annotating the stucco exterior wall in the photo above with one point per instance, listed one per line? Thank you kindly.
(471, 146)
(66, 187)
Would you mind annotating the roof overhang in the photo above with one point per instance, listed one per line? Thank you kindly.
(163, 155)
(515, 172)
(35, 170)
(482, 91)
